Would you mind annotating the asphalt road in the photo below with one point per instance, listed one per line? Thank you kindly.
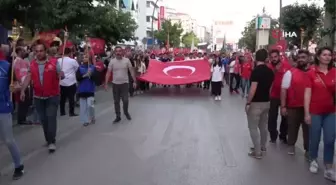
(176, 137)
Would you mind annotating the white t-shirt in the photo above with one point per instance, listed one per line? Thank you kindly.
(69, 68)
(286, 80)
(217, 73)
(142, 68)
(232, 64)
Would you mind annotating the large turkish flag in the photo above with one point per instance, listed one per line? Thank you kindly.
(177, 73)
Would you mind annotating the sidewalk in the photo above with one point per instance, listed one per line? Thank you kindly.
(30, 138)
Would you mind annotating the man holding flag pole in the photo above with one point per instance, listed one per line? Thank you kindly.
(45, 73)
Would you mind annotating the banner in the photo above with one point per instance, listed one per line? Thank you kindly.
(281, 45)
(49, 36)
(97, 45)
(177, 73)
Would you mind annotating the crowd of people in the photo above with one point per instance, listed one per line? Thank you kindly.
(302, 89)
(304, 92)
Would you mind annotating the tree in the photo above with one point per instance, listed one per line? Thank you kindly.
(102, 21)
(224, 47)
(173, 30)
(330, 7)
(307, 17)
(249, 36)
(187, 39)
(111, 25)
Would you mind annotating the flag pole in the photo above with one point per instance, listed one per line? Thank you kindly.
(13, 57)
(66, 35)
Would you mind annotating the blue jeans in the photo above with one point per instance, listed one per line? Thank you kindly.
(6, 135)
(87, 113)
(322, 123)
(47, 113)
(245, 85)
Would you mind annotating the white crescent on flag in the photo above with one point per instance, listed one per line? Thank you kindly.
(169, 68)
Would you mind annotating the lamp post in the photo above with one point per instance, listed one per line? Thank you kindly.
(280, 20)
(153, 21)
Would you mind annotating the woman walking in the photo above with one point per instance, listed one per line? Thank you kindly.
(217, 71)
(319, 107)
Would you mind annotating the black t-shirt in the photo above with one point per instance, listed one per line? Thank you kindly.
(264, 76)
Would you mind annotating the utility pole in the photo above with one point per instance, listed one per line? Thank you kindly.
(117, 4)
(155, 5)
(280, 20)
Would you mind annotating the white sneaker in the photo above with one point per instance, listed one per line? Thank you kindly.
(216, 97)
(219, 98)
(52, 148)
(313, 168)
(330, 174)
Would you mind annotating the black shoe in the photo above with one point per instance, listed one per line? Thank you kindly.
(73, 115)
(128, 116)
(62, 114)
(283, 140)
(18, 173)
(272, 141)
(25, 123)
(117, 120)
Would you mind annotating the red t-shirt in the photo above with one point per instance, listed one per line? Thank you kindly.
(246, 70)
(278, 75)
(322, 100)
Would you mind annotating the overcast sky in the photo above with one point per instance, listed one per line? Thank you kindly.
(238, 11)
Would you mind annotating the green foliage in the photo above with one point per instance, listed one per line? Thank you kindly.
(173, 30)
(296, 17)
(114, 26)
(330, 7)
(101, 21)
(248, 38)
(187, 39)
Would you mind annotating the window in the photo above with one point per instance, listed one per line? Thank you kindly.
(148, 18)
(148, 4)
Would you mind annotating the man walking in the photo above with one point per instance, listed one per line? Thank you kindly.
(21, 68)
(119, 67)
(279, 68)
(293, 86)
(258, 104)
(45, 74)
(69, 83)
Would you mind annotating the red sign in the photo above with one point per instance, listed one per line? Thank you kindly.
(277, 34)
(177, 73)
(48, 37)
(162, 12)
(159, 23)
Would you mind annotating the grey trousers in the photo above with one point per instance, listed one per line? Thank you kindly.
(120, 91)
(257, 118)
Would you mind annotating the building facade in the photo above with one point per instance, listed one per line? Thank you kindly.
(221, 29)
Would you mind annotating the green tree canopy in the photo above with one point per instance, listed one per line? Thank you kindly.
(173, 30)
(114, 26)
(248, 38)
(330, 7)
(302, 16)
(187, 39)
(101, 21)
